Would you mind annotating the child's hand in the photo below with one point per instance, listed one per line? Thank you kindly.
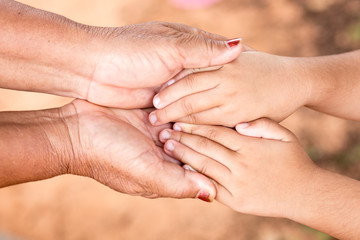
(264, 171)
(253, 86)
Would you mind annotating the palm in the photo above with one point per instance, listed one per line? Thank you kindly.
(121, 150)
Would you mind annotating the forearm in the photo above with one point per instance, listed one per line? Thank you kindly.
(330, 203)
(33, 146)
(335, 83)
(44, 52)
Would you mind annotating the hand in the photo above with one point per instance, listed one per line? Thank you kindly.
(120, 149)
(264, 171)
(253, 86)
(136, 59)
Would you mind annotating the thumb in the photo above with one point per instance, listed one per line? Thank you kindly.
(205, 52)
(177, 182)
(265, 128)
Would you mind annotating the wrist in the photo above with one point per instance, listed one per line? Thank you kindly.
(300, 193)
(302, 80)
(319, 79)
(34, 146)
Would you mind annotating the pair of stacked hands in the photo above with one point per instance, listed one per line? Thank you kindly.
(204, 83)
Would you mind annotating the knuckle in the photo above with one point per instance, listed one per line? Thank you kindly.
(202, 143)
(203, 167)
(190, 81)
(211, 133)
(187, 106)
(192, 119)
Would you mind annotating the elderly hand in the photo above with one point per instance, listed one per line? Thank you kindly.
(136, 59)
(120, 149)
(116, 67)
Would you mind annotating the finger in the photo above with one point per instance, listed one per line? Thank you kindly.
(213, 116)
(199, 52)
(124, 98)
(169, 158)
(185, 106)
(201, 163)
(202, 145)
(265, 128)
(223, 195)
(189, 71)
(222, 135)
(191, 84)
(193, 30)
(174, 181)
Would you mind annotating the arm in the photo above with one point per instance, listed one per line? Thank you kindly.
(335, 84)
(45, 52)
(266, 172)
(116, 147)
(34, 145)
(262, 85)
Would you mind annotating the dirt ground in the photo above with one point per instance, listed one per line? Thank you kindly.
(70, 207)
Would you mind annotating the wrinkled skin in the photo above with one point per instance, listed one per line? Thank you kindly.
(119, 148)
(134, 60)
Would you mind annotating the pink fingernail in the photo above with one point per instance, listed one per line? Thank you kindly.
(170, 82)
(204, 196)
(170, 146)
(189, 168)
(177, 127)
(242, 125)
(164, 135)
(156, 101)
(233, 42)
(153, 118)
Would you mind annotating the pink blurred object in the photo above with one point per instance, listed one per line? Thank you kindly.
(193, 4)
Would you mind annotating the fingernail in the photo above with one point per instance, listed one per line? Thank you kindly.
(242, 125)
(177, 127)
(156, 101)
(204, 196)
(170, 82)
(188, 167)
(170, 146)
(153, 118)
(233, 42)
(165, 135)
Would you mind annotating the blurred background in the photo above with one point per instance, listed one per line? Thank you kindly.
(70, 207)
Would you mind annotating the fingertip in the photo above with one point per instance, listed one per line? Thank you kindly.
(177, 127)
(241, 127)
(265, 128)
(169, 146)
(156, 101)
(233, 43)
(164, 135)
(153, 118)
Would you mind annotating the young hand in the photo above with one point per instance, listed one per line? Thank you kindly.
(263, 171)
(255, 85)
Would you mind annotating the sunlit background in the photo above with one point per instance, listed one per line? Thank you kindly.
(70, 207)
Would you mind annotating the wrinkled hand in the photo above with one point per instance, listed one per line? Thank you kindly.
(120, 149)
(255, 85)
(134, 60)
